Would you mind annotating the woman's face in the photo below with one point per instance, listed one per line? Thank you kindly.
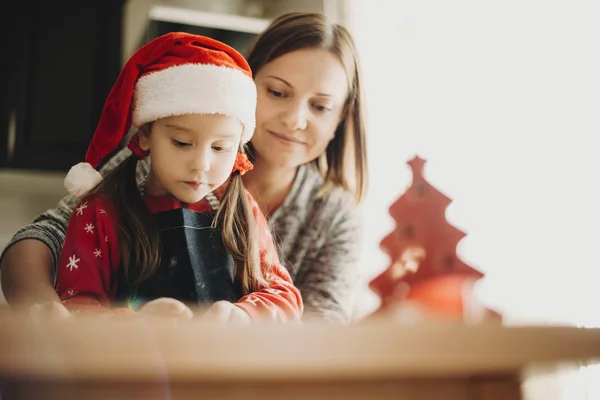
(301, 97)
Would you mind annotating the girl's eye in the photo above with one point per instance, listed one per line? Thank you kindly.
(180, 144)
(276, 93)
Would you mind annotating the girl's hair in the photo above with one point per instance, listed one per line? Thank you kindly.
(344, 162)
(237, 223)
(138, 235)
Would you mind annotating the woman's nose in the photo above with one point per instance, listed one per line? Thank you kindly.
(294, 117)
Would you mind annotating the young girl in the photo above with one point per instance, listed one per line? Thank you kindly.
(193, 102)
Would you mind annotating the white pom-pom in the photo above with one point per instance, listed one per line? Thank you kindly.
(81, 178)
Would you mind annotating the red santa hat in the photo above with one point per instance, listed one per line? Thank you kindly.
(174, 74)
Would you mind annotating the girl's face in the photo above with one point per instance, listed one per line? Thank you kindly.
(191, 155)
(301, 97)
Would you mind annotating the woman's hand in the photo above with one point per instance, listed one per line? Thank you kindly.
(167, 307)
(225, 312)
(49, 310)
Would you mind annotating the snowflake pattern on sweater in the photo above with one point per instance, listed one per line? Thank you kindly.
(90, 256)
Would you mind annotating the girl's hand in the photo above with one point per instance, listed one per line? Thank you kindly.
(225, 312)
(167, 307)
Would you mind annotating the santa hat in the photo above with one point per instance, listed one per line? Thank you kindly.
(174, 74)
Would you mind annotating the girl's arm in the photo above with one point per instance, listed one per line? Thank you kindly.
(89, 255)
(279, 300)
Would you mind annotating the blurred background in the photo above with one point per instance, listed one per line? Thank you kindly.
(500, 98)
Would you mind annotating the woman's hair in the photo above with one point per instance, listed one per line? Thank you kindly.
(138, 235)
(344, 162)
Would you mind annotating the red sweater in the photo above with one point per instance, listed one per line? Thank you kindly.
(90, 256)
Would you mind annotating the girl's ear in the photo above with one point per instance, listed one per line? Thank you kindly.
(144, 133)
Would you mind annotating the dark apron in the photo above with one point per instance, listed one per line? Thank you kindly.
(194, 266)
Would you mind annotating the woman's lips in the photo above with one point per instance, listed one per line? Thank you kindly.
(286, 139)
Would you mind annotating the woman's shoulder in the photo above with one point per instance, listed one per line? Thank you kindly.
(313, 192)
(317, 205)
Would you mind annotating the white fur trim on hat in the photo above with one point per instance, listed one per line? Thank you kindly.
(81, 178)
(196, 89)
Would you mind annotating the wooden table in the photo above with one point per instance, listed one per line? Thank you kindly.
(139, 359)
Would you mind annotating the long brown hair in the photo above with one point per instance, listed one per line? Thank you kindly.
(138, 235)
(344, 163)
(238, 228)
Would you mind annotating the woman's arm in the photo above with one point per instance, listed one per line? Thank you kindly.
(26, 274)
(328, 282)
(28, 261)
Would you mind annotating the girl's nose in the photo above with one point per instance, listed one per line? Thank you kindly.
(200, 160)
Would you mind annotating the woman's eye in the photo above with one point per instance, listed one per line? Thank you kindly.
(180, 144)
(220, 149)
(321, 108)
(276, 93)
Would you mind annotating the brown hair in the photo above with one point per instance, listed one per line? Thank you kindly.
(138, 235)
(237, 225)
(344, 162)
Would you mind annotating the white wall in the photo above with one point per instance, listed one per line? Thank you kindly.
(502, 98)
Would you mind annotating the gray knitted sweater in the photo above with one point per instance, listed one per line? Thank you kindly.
(317, 239)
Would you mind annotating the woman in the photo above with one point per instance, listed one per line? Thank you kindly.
(310, 170)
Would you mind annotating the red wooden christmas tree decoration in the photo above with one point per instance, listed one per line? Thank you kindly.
(424, 267)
